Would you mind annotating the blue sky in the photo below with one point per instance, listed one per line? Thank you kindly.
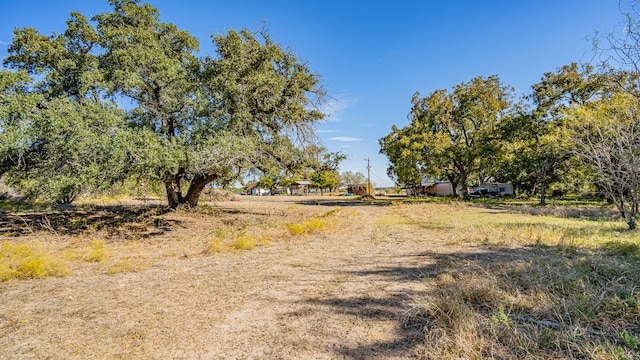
(374, 55)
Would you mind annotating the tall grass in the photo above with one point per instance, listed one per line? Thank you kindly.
(526, 286)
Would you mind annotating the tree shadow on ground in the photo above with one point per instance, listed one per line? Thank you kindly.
(75, 220)
(392, 307)
(557, 270)
(596, 212)
(347, 201)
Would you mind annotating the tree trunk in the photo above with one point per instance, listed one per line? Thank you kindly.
(543, 192)
(174, 195)
(454, 185)
(463, 183)
(544, 179)
(195, 189)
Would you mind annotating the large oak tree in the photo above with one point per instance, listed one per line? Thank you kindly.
(190, 120)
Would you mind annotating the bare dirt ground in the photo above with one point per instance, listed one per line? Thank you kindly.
(335, 294)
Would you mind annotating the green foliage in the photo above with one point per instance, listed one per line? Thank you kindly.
(606, 135)
(324, 180)
(537, 147)
(269, 181)
(192, 121)
(404, 161)
(451, 135)
(58, 147)
(629, 340)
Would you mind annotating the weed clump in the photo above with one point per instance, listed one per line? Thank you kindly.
(309, 226)
(97, 252)
(24, 261)
(244, 242)
(119, 267)
(226, 239)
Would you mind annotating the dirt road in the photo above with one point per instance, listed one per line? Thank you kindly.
(338, 294)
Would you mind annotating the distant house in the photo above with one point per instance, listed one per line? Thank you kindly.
(505, 189)
(254, 189)
(444, 188)
(300, 187)
(431, 186)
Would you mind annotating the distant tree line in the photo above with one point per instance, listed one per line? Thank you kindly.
(579, 127)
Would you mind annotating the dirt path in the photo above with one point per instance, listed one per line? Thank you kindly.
(337, 295)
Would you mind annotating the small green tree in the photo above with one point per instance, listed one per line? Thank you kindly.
(405, 159)
(269, 181)
(324, 180)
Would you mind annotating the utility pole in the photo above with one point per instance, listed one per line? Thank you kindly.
(368, 175)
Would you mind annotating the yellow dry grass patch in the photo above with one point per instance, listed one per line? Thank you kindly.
(234, 241)
(28, 261)
(230, 238)
(308, 226)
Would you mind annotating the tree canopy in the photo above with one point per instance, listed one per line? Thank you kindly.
(191, 120)
(451, 135)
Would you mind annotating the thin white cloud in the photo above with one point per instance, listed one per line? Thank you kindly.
(325, 131)
(335, 107)
(345, 138)
(4, 43)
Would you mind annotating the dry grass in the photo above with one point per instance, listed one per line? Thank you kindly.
(216, 195)
(308, 226)
(28, 261)
(424, 280)
(111, 237)
(536, 286)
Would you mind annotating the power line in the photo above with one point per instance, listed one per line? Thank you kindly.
(383, 180)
